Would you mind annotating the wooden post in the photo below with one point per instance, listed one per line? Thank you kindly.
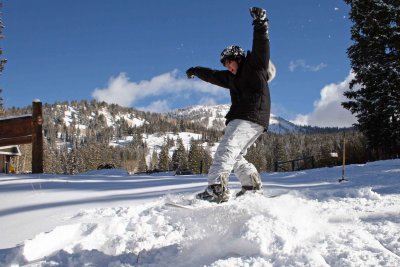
(37, 137)
(344, 156)
(343, 179)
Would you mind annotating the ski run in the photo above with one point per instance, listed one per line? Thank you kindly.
(111, 218)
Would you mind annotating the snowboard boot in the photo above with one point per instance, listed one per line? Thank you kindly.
(255, 188)
(217, 192)
(214, 193)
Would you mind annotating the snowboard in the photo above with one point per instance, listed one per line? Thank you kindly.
(214, 205)
(180, 206)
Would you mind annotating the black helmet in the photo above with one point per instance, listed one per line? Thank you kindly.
(232, 52)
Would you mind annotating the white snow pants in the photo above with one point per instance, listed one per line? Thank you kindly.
(239, 136)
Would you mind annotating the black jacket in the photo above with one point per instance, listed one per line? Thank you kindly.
(249, 87)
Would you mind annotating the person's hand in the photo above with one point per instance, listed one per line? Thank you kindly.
(190, 73)
(259, 15)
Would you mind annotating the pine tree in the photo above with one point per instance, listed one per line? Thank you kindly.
(164, 160)
(374, 94)
(142, 163)
(51, 162)
(154, 160)
(194, 157)
(206, 159)
(278, 151)
(2, 61)
(74, 162)
(180, 157)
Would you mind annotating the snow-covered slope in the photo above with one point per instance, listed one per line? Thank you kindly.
(213, 116)
(109, 218)
(154, 142)
(210, 116)
(71, 114)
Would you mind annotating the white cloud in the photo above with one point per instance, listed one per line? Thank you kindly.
(328, 111)
(301, 63)
(120, 90)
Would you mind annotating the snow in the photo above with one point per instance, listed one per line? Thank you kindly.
(155, 142)
(215, 115)
(69, 116)
(111, 218)
(70, 113)
(128, 117)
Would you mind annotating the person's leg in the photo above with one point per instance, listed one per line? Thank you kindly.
(246, 172)
(248, 176)
(239, 135)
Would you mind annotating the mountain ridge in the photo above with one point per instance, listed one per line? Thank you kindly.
(213, 116)
(82, 135)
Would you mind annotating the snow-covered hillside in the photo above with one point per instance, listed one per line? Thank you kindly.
(110, 218)
(154, 142)
(213, 116)
(71, 114)
(209, 116)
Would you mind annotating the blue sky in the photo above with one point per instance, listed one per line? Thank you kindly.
(135, 53)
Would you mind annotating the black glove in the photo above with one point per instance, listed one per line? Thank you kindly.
(190, 73)
(259, 15)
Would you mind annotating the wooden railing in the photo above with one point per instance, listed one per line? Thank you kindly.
(295, 165)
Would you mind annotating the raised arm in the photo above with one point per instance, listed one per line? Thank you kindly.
(260, 54)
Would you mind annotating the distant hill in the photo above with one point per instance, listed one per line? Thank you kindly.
(213, 116)
(82, 135)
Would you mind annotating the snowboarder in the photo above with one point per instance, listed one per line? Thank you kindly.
(247, 79)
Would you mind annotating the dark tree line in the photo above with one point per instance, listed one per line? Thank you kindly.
(271, 148)
(374, 95)
(81, 142)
